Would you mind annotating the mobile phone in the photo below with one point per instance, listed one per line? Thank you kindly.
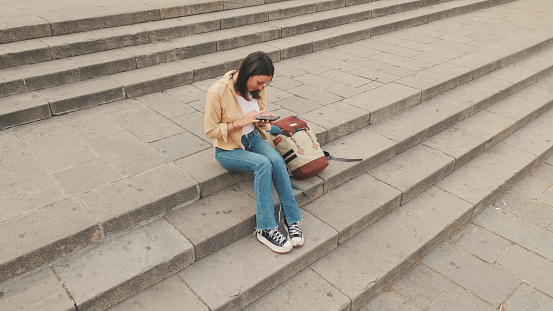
(267, 118)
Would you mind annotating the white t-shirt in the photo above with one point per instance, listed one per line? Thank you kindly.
(247, 106)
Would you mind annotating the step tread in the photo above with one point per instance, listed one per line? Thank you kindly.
(173, 205)
(332, 178)
(356, 268)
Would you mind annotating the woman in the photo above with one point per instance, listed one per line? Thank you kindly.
(232, 105)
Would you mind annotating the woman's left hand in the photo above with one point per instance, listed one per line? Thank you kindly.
(263, 123)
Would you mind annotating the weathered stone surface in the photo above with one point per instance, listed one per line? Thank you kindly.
(458, 298)
(179, 27)
(484, 179)
(37, 238)
(127, 154)
(520, 76)
(517, 230)
(438, 79)
(528, 266)
(23, 108)
(246, 35)
(355, 205)
(481, 243)
(363, 144)
(483, 280)
(391, 302)
(414, 170)
(364, 265)
(530, 210)
(536, 99)
(85, 20)
(289, 11)
(133, 200)
(171, 106)
(422, 285)
(386, 100)
(191, 9)
(103, 64)
(37, 291)
(92, 123)
(97, 174)
(180, 145)
(153, 79)
(98, 278)
(414, 125)
(528, 298)
(59, 150)
(95, 41)
(459, 144)
(84, 94)
(490, 126)
(209, 174)
(481, 93)
(329, 85)
(304, 291)
(171, 294)
(339, 119)
(216, 221)
(148, 125)
(253, 273)
(23, 53)
(194, 123)
(535, 138)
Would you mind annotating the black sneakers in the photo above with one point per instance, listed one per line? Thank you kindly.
(274, 240)
(294, 232)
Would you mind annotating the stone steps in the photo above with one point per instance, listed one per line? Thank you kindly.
(207, 178)
(225, 231)
(63, 46)
(38, 91)
(360, 269)
(357, 247)
(44, 20)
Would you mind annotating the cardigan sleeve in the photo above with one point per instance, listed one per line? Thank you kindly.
(214, 127)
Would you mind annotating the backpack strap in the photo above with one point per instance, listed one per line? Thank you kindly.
(328, 156)
(298, 187)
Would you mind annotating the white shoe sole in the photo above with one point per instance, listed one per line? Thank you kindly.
(274, 248)
(297, 244)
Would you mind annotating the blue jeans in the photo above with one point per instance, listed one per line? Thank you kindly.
(267, 165)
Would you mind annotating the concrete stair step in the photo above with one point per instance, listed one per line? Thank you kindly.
(126, 49)
(204, 176)
(66, 19)
(156, 77)
(209, 225)
(62, 46)
(360, 269)
(379, 236)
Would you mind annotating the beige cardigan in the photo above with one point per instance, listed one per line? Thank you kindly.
(221, 108)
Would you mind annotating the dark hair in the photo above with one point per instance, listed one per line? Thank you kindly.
(257, 63)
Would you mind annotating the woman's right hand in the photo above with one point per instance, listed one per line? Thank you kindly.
(249, 118)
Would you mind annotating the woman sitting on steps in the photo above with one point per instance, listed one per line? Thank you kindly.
(232, 105)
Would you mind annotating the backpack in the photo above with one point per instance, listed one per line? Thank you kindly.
(299, 147)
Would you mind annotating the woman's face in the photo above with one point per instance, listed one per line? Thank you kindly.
(258, 82)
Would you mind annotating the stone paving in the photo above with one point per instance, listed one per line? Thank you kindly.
(503, 257)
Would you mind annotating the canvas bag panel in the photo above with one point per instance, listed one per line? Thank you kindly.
(299, 147)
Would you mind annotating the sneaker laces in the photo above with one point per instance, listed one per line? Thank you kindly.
(294, 230)
(277, 236)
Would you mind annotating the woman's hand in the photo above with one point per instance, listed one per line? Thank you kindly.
(249, 118)
(262, 123)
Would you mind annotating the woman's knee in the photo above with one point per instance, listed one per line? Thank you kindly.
(264, 164)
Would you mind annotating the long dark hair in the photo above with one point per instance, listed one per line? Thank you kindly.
(257, 63)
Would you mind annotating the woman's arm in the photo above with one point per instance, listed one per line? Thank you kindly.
(214, 127)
